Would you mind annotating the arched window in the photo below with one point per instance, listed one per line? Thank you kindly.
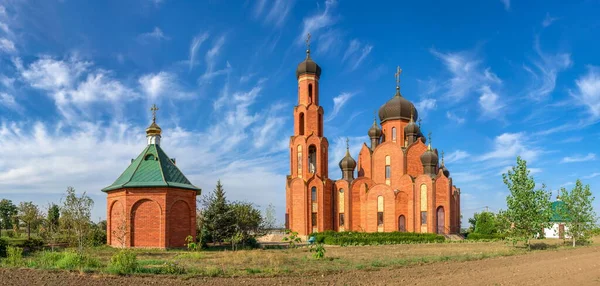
(380, 211)
(394, 134)
(312, 159)
(320, 127)
(423, 206)
(301, 123)
(402, 223)
(388, 170)
(313, 217)
(440, 220)
(299, 161)
(341, 207)
(310, 94)
(313, 194)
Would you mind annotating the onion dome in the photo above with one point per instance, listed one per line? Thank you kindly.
(347, 163)
(398, 107)
(443, 167)
(308, 66)
(375, 131)
(429, 158)
(412, 127)
(153, 131)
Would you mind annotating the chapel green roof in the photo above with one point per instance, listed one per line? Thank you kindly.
(152, 168)
(556, 209)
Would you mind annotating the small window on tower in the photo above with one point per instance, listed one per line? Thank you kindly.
(310, 94)
(388, 171)
(149, 157)
(313, 194)
(394, 134)
(301, 123)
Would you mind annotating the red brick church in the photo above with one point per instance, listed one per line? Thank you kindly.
(152, 204)
(400, 183)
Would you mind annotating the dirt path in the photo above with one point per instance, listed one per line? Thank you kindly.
(564, 267)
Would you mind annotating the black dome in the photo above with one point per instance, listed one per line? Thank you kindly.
(397, 108)
(347, 163)
(308, 66)
(429, 158)
(374, 131)
(446, 172)
(412, 128)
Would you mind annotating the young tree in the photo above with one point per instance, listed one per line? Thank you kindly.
(75, 216)
(578, 212)
(248, 222)
(486, 223)
(7, 211)
(502, 222)
(29, 214)
(217, 215)
(121, 231)
(528, 209)
(270, 219)
(53, 215)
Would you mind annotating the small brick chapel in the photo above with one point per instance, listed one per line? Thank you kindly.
(152, 204)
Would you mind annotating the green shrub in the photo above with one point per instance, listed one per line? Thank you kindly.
(3, 245)
(479, 236)
(14, 256)
(48, 259)
(72, 260)
(124, 262)
(98, 236)
(363, 238)
(319, 251)
(33, 244)
(173, 268)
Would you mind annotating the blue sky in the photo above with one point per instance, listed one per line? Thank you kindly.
(491, 79)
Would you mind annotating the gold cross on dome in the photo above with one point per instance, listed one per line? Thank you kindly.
(154, 108)
(347, 143)
(397, 74)
(308, 43)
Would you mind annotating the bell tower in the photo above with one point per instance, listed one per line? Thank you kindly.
(311, 159)
(308, 191)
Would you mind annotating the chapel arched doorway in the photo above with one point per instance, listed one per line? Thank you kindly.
(441, 227)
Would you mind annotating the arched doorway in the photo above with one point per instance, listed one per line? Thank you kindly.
(118, 225)
(441, 227)
(145, 224)
(179, 224)
(401, 223)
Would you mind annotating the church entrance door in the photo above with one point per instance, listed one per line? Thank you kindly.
(440, 220)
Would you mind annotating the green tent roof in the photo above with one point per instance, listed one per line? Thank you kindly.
(556, 209)
(152, 168)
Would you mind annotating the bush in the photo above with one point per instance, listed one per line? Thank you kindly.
(363, 238)
(98, 236)
(172, 268)
(3, 245)
(49, 259)
(479, 236)
(33, 244)
(72, 260)
(124, 262)
(14, 256)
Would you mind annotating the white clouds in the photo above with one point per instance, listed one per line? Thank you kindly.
(7, 45)
(455, 118)
(588, 91)
(579, 158)
(426, 105)
(318, 21)
(488, 101)
(506, 4)
(591, 176)
(72, 84)
(158, 84)
(277, 14)
(548, 20)
(455, 156)
(337, 151)
(509, 146)
(356, 53)
(9, 102)
(211, 58)
(545, 71)
(156, 34)
(339, 102)
(194, 46)
(466, 74)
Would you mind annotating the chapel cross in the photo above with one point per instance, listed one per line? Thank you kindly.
(154, 108)
(308, 43)
(397, 74)
(347, 143)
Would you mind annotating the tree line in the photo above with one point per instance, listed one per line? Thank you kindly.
(529, 210)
